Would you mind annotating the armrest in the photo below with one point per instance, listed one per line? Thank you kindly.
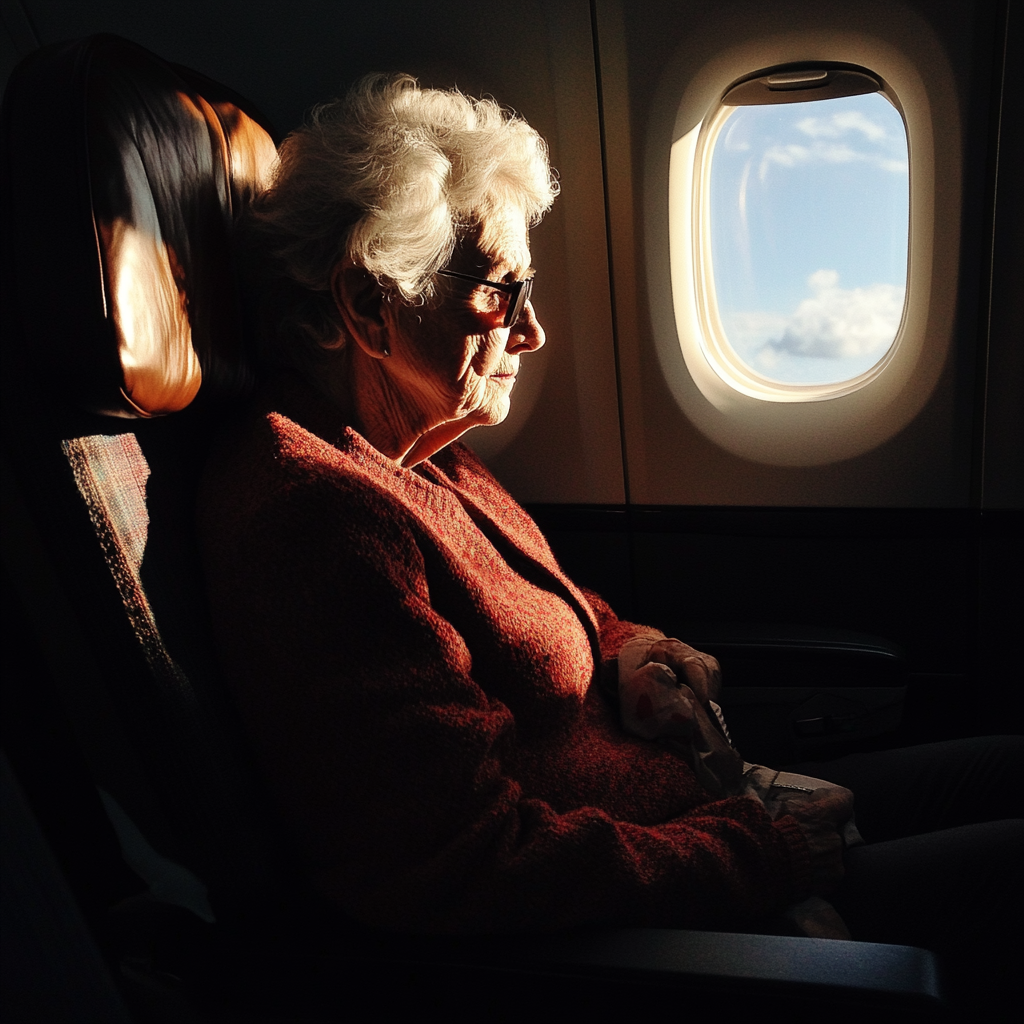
(333, 969)
(620, 974)
(781, 963)
(798, 692)
(765, 654)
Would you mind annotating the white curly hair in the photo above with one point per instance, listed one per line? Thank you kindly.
(392, 176)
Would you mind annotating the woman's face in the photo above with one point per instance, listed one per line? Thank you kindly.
(455, 361)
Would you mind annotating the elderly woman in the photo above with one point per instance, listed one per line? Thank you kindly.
(416, 672)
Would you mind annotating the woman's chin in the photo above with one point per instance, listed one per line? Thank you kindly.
(497, 403)
(495, 413)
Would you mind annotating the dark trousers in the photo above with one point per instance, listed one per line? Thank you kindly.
(943, 864)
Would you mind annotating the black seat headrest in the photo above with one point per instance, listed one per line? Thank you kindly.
(125, 176)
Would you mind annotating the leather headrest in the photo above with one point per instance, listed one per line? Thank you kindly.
(124, 177)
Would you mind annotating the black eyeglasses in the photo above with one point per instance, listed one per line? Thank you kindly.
(518, 293)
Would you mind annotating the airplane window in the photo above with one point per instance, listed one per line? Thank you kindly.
(812, 268)
(802, 210)
(809, 221)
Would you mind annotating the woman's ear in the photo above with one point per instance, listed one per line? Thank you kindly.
(360, 302)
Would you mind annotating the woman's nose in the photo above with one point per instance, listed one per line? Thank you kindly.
(527, 335)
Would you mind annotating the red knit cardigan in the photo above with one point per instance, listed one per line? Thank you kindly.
(416, 675)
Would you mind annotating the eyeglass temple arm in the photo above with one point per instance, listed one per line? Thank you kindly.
(500, 285)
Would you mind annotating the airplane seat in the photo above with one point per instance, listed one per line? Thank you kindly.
(124, 346)
(123, 176)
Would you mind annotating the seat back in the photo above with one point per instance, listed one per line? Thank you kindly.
(124, 343)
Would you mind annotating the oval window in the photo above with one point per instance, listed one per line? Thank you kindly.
(803, 241)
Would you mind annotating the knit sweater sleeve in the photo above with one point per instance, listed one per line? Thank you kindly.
(390, 764)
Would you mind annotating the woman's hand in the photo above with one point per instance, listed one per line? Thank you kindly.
(821, 816)
(701, 672)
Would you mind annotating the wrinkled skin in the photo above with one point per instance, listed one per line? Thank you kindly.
(821, 815)
(701, 672)
(417, 377)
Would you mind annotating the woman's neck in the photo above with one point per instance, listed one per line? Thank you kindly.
(359, 386)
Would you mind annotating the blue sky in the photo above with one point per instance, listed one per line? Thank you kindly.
(809, 225)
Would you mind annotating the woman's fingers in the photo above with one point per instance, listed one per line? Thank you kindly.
(701, 671)
(836, 804)
(832, 805)
(820, 816)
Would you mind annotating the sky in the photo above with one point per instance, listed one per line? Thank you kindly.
(809, 221)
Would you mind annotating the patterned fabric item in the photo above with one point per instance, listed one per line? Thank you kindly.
(111, 474)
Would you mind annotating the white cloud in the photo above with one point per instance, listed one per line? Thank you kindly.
(837, 323)
(896, 166)
(835, 139)
(841, 123)
(835, 334)
(787, 156)
(824, 152)
(748, 331)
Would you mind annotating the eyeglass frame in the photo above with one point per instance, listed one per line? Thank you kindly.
(518, 292)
